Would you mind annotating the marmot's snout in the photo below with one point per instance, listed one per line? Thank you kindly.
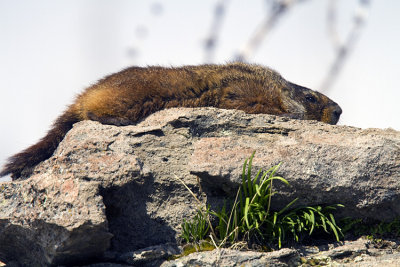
(336, 114)
(331, 114)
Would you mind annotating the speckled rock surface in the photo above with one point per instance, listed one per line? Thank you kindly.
(358, 253)
(113, 190)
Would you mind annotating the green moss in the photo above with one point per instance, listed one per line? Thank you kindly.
(314, 261)
(194, 247)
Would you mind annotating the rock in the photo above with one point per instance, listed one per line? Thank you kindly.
(112, 190)
(324, 164)
(49, 220)
(361, 252)
(230, 257)
(151, 256)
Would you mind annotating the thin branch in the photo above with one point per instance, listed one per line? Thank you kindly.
(212, 39)
(278, 8)
(344, 49)
(332, 23)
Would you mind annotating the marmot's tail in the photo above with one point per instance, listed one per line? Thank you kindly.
(23, 162)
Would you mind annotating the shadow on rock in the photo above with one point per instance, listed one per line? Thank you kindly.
(133, 228)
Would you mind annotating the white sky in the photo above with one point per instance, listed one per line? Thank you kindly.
(51, 50)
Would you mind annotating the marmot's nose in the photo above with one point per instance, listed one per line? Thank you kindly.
(336, 113)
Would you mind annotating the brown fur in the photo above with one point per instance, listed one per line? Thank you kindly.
(129, 96)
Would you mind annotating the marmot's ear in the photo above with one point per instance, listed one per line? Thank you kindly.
(287, 91)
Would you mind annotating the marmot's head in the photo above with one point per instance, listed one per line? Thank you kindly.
(262, 90)
(311, 104)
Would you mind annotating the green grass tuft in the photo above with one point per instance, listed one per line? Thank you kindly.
(251, 219)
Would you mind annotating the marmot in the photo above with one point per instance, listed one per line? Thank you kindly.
(126, 97)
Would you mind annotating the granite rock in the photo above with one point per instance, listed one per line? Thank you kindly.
(114, 190)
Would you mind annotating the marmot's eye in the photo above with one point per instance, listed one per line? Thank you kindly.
(311, 98)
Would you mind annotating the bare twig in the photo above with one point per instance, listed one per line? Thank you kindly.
(332, 23)
(343, 49)
(277, 9)
(212, 39)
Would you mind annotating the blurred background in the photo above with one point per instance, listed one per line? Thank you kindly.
(51, 50)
